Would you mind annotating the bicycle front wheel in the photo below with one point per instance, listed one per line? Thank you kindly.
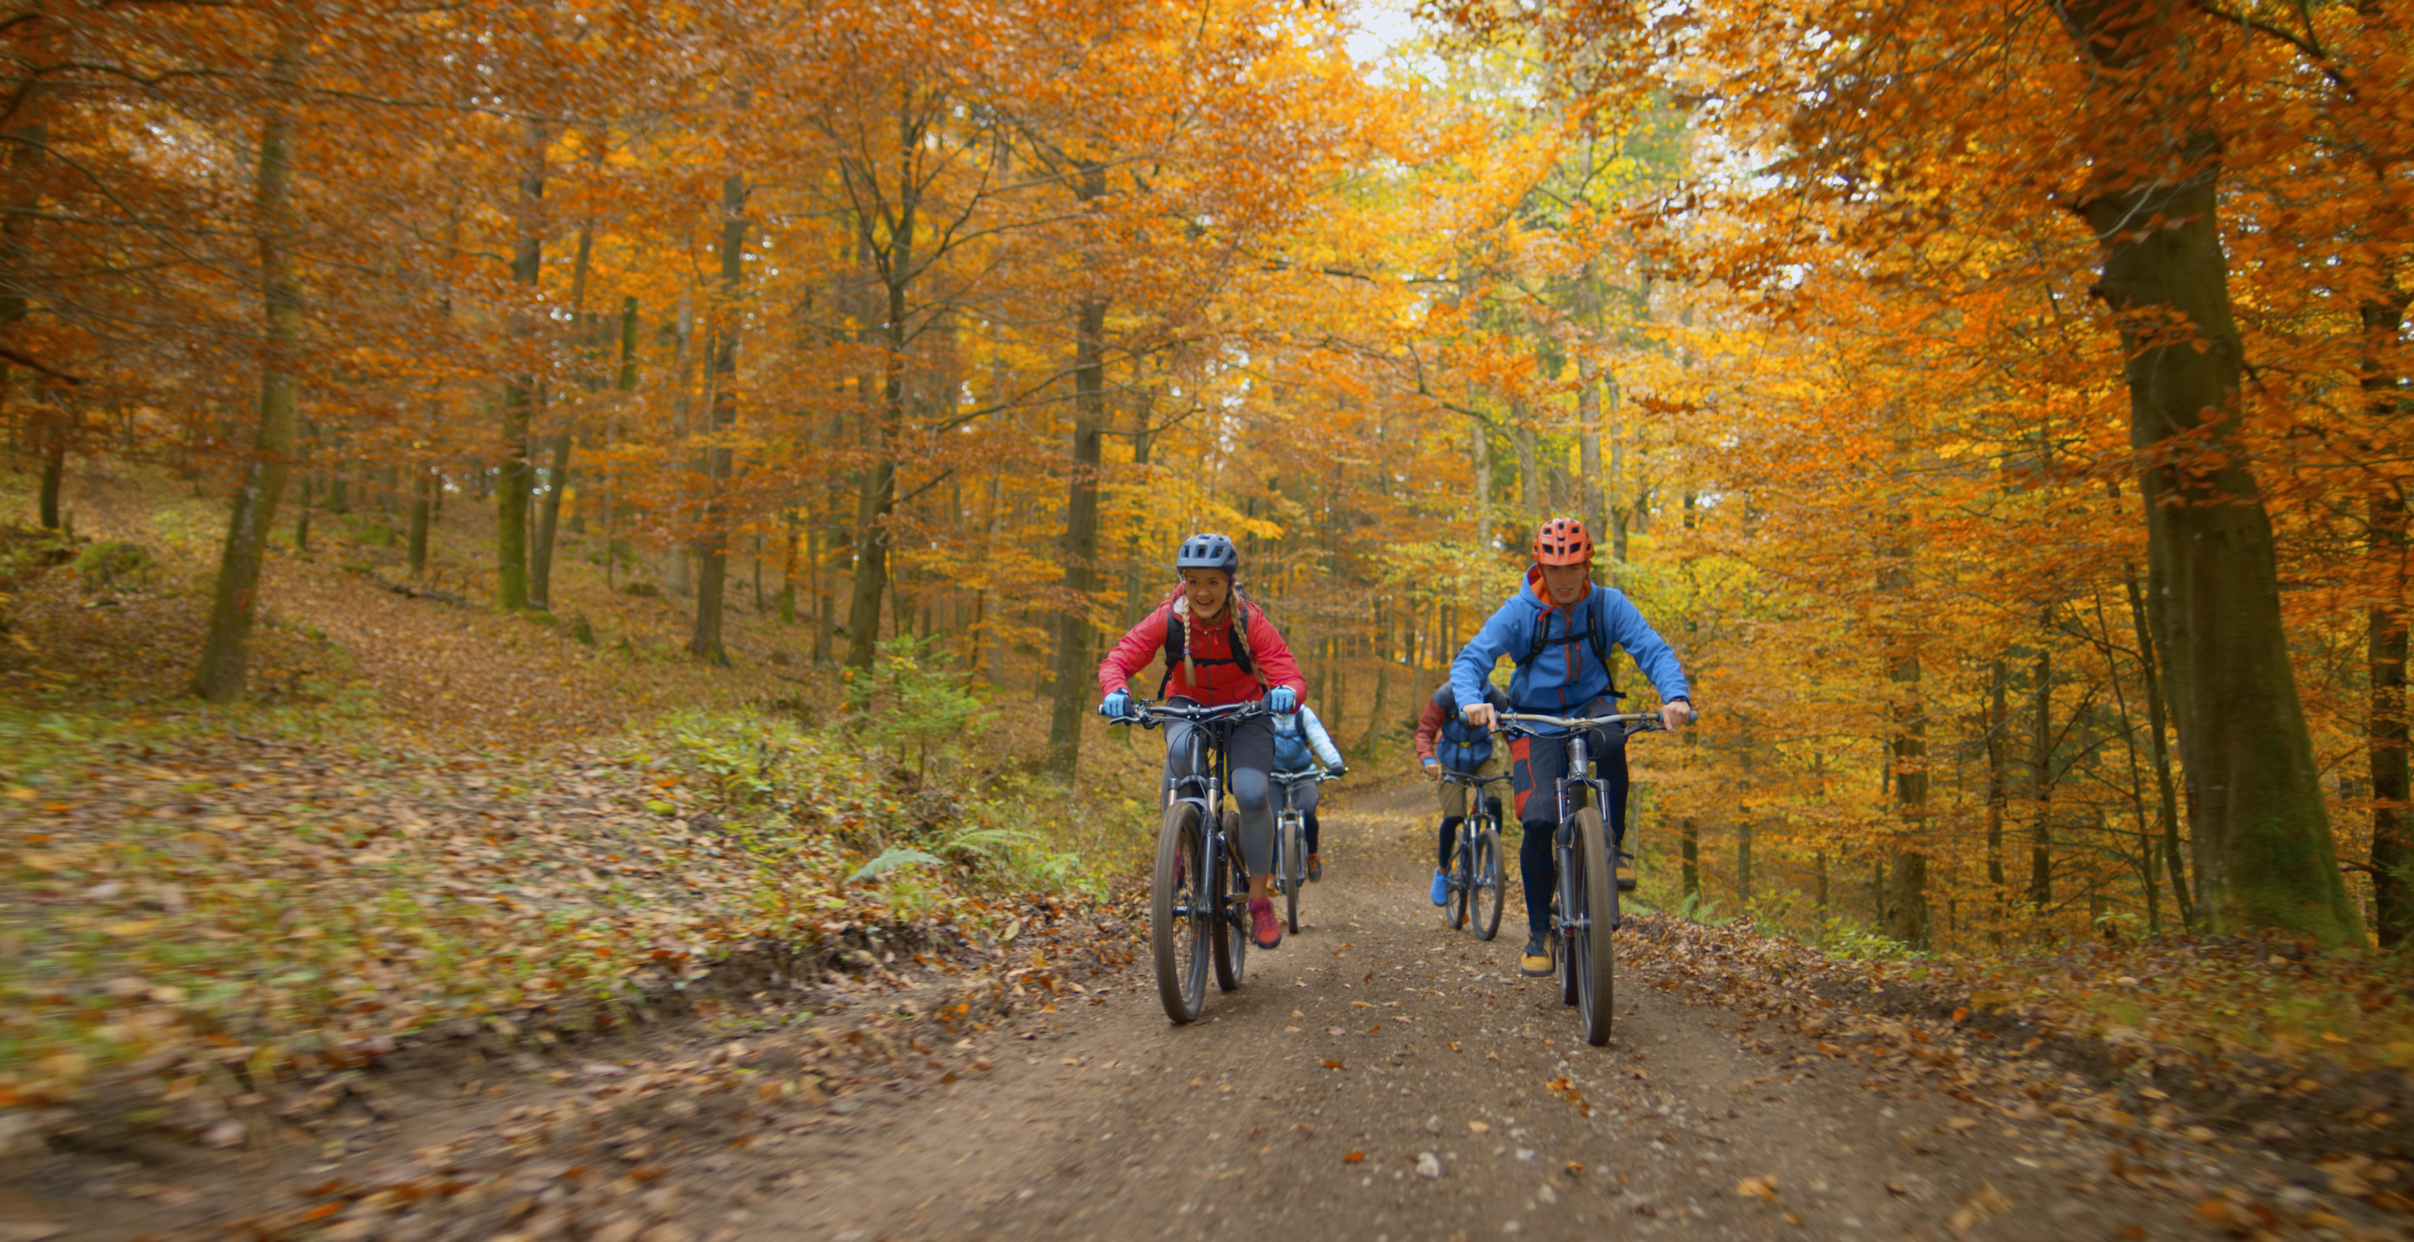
(1231, 920)
(1487, 884)
(1462, 877)
(1590, 958)
(1294, 872)
(1178, 913)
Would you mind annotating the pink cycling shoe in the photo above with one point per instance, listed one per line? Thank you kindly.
(1264, 929)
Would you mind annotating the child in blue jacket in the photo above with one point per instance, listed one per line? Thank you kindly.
(1296, 735)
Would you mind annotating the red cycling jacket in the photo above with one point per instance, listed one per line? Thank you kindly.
(1223, 682)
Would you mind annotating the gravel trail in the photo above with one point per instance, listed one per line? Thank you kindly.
(1382, 1077)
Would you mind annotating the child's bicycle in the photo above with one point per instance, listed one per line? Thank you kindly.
(1199, 894)
(1476, 882)
(1585, 909)
(1290, 844)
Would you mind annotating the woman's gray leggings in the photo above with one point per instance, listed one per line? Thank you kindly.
(1249, 753)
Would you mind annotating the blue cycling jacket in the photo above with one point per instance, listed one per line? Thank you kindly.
(1565, 675)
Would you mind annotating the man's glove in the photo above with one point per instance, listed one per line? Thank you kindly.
(1282, 700)
(1118, 705)
(1340, 770)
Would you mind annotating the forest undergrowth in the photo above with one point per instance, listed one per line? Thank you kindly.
(437, 815)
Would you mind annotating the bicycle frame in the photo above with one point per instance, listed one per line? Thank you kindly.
(1205, 784)
(1573, 784)
(1475, 786)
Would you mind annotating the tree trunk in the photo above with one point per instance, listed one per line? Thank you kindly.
(1588, 444)
(2167, 813)
(1998, 791)
(419, 519)
(1907, 902)
(1072, 668)
(519, 396)
(301, 519)
(712, 551)
(548, 521)
(224, 653)
(2041, 781)
(1482, 456)
(1529, 487)
(54, 475)
(1689, 851)
(2385, 648)
(2261, 831)
(876, 489)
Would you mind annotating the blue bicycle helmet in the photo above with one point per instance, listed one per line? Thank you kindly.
(1208, 550)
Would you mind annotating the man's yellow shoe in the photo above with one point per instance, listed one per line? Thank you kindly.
(1625, 879)
(1537, 960)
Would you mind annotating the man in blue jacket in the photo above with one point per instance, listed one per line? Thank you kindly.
(1559, 629)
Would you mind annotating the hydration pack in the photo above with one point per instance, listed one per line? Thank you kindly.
(1177, 641)
(1596, 631)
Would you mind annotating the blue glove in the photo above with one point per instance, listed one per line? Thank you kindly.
(1118, 705)
(1282, 700)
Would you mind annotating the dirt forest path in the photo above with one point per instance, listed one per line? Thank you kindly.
(1377, 1031)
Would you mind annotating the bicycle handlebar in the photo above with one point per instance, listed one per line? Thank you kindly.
(1293, 778)
(1526, 722)
(1150, 714)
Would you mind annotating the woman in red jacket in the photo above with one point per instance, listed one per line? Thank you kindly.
(1211, 670)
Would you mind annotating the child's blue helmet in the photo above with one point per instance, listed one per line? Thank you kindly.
(1208, 550)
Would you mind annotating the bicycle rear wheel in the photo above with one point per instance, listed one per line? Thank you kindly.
(1178, 922)
(1231, 921)
(1487, 884)
(1590, 958)
(1293, 871)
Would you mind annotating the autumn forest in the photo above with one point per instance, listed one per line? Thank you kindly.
(1996, 406)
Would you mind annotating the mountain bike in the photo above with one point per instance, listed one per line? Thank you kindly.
(1476, 883)
(1290, 845)
(1199, 893)
(1585, 909)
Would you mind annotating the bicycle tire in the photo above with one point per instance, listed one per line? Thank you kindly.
(1231, 939)
(1294, 871)
(1461, 878)
(1569, 877)
(1489, 886)
(1176, 923)
(1589, 953)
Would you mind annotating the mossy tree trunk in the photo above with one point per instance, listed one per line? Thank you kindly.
(225, 651)
(2261, 832)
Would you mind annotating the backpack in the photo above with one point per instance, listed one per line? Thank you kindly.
(1462, 747)
(1177, 640)
(1596, 629)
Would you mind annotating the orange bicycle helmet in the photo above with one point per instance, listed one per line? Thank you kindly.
(1562, 541)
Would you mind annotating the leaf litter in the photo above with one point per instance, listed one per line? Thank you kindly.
(1907, 1028)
